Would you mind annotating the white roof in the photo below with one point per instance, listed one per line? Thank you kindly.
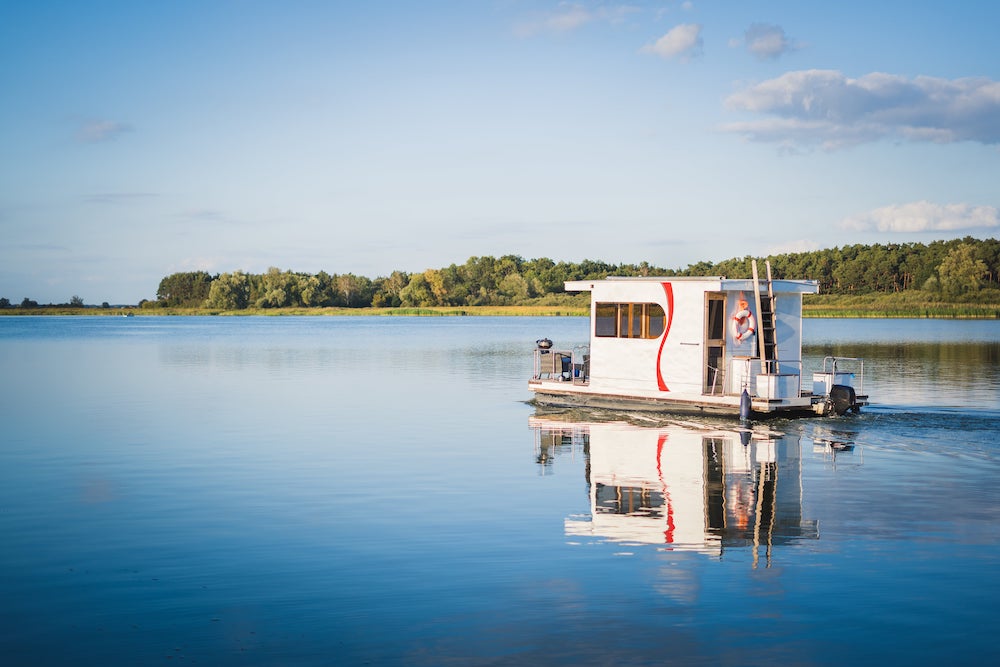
(712, 283)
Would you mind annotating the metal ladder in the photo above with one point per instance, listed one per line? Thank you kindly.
(766, 337)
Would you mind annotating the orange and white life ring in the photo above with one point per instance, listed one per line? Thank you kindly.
(744, 325)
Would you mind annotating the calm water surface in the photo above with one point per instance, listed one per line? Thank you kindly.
(311, 491)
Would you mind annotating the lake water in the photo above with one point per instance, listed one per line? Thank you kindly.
(314, 491)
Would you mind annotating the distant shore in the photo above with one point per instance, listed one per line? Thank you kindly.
(899, 305)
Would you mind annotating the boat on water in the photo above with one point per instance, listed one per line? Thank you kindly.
(704, 345)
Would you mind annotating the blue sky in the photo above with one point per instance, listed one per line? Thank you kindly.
(144, 138)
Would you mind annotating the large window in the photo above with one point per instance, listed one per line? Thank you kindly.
(629, 320)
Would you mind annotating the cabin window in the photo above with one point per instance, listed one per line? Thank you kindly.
(657, 320)
(606, 320)
(629, 320)
(636, 320)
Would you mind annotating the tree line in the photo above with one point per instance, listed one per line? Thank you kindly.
(947, 268)
(958, 270)
(952, 269)
(75, 301)
(480, 281)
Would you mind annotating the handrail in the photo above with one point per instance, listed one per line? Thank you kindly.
(580, 360)
(715, 379)
(747, 373)
(833, 361)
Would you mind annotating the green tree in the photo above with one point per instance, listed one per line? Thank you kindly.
(277, 289)
(480, 280)
(456, 286)
(417, 292)
(317, 290)
(960, 271)
(514, 288)
(438, 285)
(188, 289)
(353, 291)
(230, 291)
(386, 290)
(76, 301)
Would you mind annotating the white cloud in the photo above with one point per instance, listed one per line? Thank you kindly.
(825, 107)
(765, 41)
(567, 18)
(97, 131)
(924, 216)
(682, 41)
(571, 16)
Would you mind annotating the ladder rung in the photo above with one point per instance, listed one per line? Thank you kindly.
(766, 312)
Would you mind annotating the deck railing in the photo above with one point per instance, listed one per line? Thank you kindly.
(855, 368)
(747, 378)
(563, 365)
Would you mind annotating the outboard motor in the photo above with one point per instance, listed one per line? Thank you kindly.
(543, 344)
(841, 399)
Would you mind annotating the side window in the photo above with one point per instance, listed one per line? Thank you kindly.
(657, 320)
(638, 310)
(629, 320)
(606, 320)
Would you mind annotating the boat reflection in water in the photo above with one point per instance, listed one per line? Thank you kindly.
(682, 486)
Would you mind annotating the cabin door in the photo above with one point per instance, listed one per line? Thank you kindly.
(714, 378)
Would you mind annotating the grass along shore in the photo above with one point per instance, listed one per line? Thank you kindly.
(909, 304)
(430, 311)
(985, 305)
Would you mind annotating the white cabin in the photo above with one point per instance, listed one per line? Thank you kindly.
(693, 345)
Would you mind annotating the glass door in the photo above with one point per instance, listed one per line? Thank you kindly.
(714, 378)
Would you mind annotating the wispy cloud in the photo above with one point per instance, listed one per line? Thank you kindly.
(41, 247)
(766, 41)
(682, 42)
(210, 264)
(207, 217)
(569, 17)
(829, 109)
(800, 245)
(117, 197)
(99, 131)
(924, 216)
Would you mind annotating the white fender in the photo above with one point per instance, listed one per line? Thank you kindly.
(744, 325)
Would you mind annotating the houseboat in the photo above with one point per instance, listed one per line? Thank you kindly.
(707, 345)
